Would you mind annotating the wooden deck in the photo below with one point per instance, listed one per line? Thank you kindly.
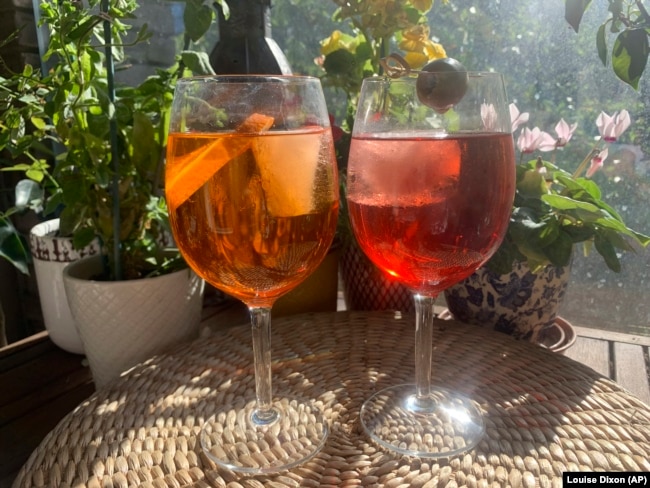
(622, 357)
(42, 383)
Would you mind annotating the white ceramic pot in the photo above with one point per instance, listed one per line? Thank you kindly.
(122, 323)
(51, 254)
(520, 303)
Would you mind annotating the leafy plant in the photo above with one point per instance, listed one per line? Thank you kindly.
(108, 141)
(630, 21)
(554, 209)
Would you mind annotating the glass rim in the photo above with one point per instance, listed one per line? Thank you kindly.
(413, 75)
(246, 78)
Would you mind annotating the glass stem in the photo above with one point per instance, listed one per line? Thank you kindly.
(264, 414)
(424, 316)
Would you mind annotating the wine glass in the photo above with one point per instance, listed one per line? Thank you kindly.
(431, 177)
(252, 189)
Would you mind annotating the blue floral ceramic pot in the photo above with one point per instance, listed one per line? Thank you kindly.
(521, 303)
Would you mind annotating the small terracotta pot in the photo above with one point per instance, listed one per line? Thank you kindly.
(520, 303)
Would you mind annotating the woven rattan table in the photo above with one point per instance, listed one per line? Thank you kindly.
(545, 413)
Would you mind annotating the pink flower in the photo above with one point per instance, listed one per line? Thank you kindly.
(517, 118)
(611, 128)
(536, 139)
(597, 162)
(564, 132)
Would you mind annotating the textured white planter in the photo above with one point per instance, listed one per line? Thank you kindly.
(50, 255)
(122, 323)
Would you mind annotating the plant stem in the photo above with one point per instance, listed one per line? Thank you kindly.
(643, 10)
(583, 165)
(115, 187)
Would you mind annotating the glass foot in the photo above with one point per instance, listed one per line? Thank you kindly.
(238, 439)
(445, 425)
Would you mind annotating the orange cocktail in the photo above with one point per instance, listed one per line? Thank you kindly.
(264, 219)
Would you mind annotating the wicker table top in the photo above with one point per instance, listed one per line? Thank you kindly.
(545, 413)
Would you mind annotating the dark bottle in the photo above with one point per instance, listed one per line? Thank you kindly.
(245, 45)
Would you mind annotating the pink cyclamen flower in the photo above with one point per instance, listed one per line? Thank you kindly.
(517, 118)
(597, 162)
(611, 128)
(533, 140)
(564, 132)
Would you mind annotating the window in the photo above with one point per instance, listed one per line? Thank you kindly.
(552, 73)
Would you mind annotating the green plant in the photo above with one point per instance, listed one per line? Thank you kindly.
(555, 209)
(630, 21)
(108, 141)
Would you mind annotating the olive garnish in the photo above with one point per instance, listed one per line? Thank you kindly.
(442, 84)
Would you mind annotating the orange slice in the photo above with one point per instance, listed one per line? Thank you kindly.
(197, 167)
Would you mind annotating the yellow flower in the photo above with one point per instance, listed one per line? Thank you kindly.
(414, 38)
(418, 47)
(416, 60)
(435, 50)
(422, 5)
(333, 43)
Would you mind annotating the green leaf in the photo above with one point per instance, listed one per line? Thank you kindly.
(13, 247)
(86, 66)
(573, 12)
(53, 203)
(197, 18)
(146, 150)
(532, 184)
(564, 203)
(197, 62)
(617, 226)
(341, 63)
(608, 252)
(616, 239)
(630, 55)
(224, 8)
(559, 252)
(601, 43)
(82, 29)
(579, 189)
(549, 233)
(35, 174)
(39, 123)
(17, 167)
(73, 190)
(83, 238)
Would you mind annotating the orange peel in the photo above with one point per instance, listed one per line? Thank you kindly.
(191, 171)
